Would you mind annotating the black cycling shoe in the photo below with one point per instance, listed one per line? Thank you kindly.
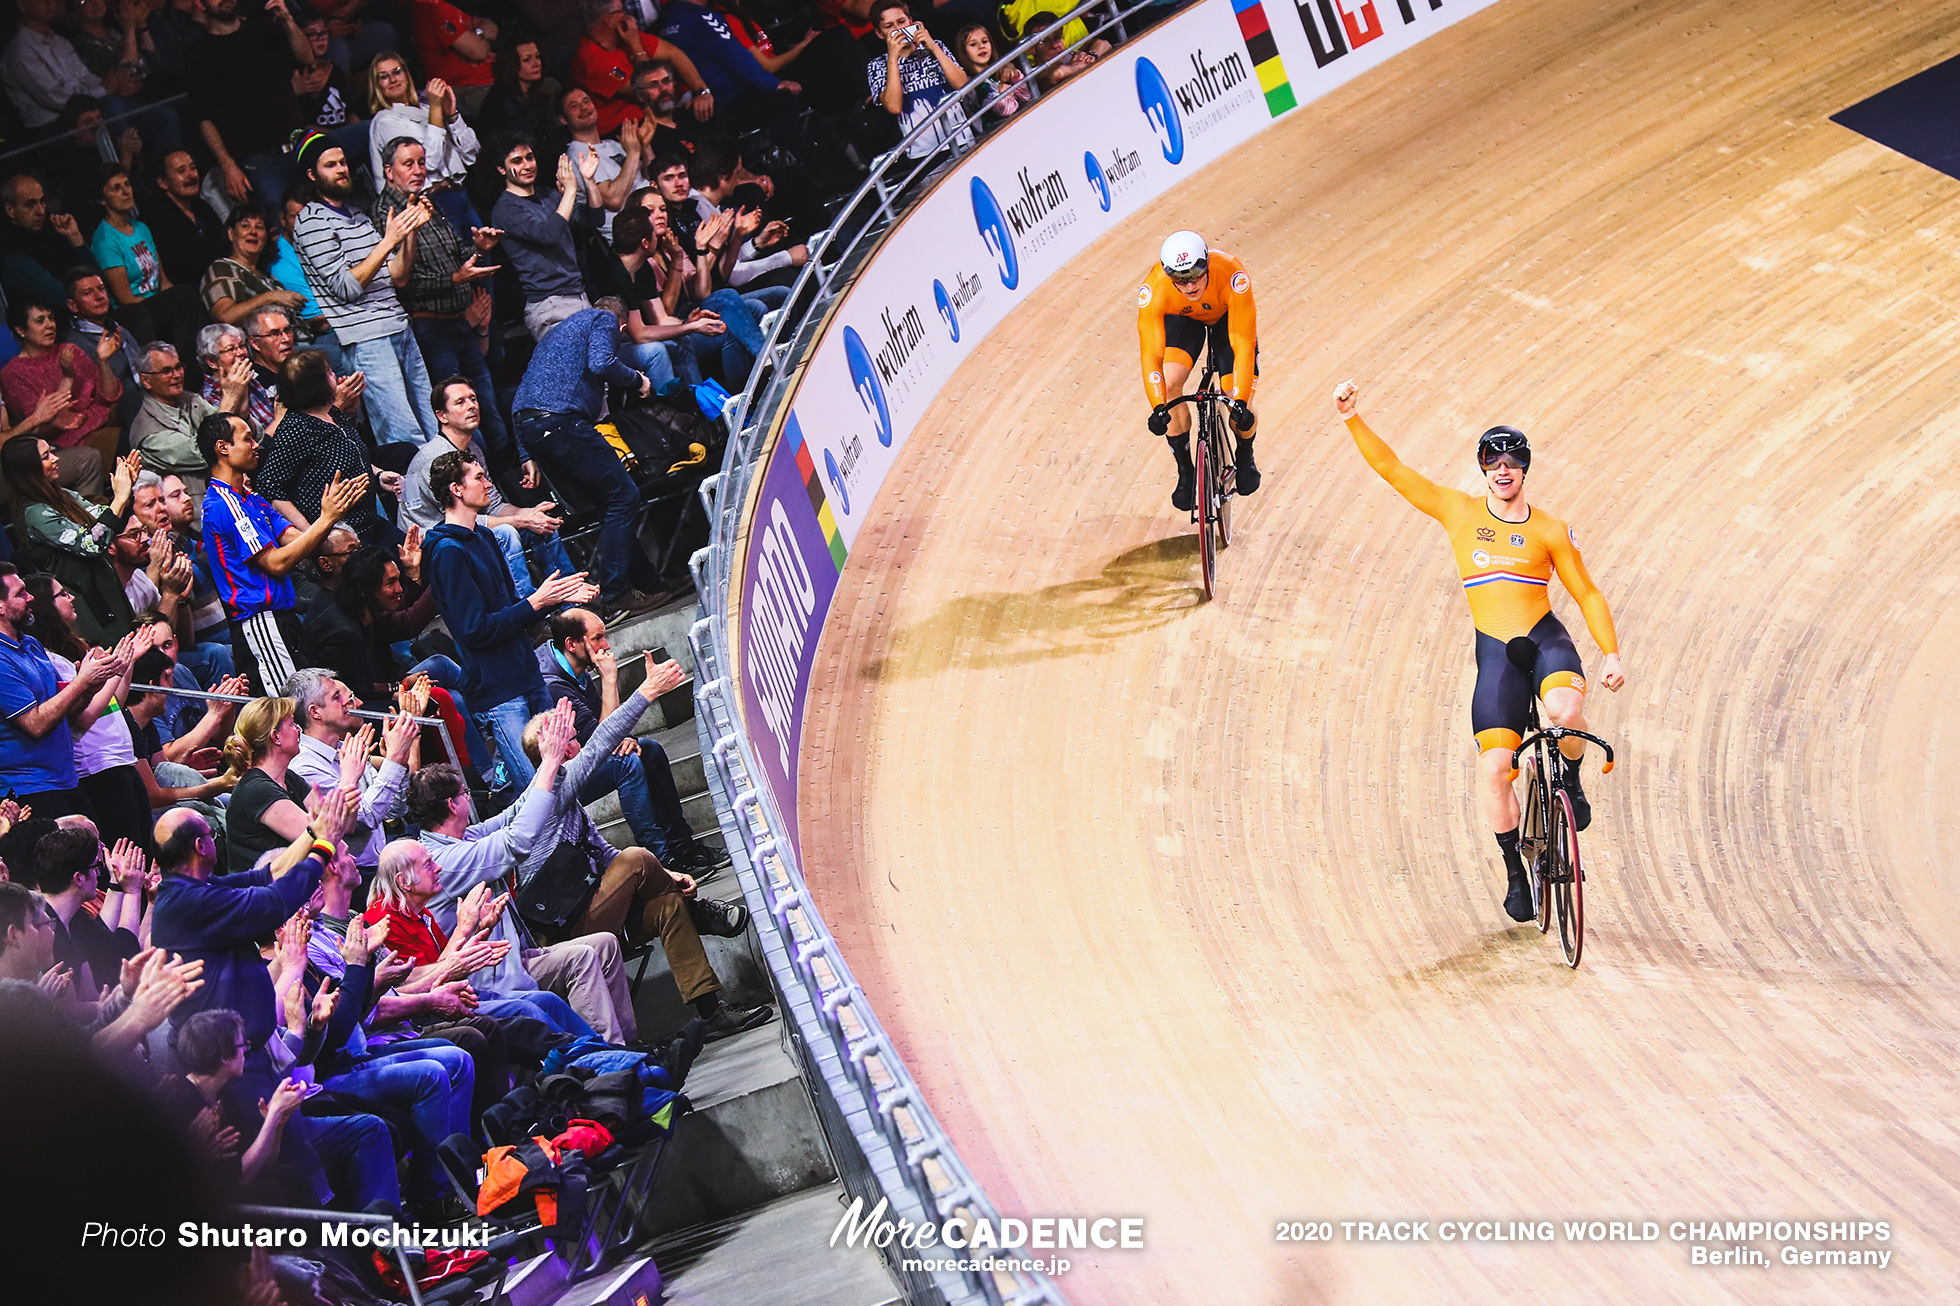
(1581, 808)
(1246, 472)
(1185, 497)
(1517, 903)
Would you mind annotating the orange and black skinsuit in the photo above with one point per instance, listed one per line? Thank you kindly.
(1169, 322)
(1507, 569)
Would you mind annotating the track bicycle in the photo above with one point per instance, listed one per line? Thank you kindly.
(1214, 452)
(1548, 840)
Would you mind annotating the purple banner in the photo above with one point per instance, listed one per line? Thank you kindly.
(790, 572)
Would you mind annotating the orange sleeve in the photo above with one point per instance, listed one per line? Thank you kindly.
(1578, 583)
(1150, 339)
(1242, 326)
(1419, 490)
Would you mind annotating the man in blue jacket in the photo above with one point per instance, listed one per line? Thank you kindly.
(220, 919)
(747, 95)
(561, 396)
(490, 624)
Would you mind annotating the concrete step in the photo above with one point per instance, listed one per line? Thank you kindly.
(774, 1255)
(682, 744)
(752, 1137)
(744, 981)
(663, 628)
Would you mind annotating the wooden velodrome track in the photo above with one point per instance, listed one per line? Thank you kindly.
(1187, 911)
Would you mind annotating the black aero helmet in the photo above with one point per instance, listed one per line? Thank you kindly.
(1503, 440)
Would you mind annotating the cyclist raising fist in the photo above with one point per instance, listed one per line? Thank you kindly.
(1506, 552)
(1193, 300)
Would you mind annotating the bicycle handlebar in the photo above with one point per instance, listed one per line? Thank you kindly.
(1556, 733)
(1196, 395)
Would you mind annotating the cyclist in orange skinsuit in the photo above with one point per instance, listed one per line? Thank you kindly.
(1195, 299)
(1506, 551)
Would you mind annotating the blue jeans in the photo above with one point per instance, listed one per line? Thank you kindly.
(648, 798)
(209, 662)
(449, 348)
(429, 1080)
(272, 173)
(397, 394)
(358, 1156)
(504, 725)
(663, 361)
(511, 541)
(548, 1007)
(575, 454)
(731, 354)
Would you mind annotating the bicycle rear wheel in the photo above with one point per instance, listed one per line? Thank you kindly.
(1568, 887)
(1207, 549)
(1531, 841)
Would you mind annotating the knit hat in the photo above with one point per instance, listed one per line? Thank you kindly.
(308, 146)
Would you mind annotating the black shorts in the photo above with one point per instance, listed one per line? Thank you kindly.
(1501, 706)
(1194, 338)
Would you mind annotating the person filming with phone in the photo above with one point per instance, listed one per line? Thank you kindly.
(916, 73)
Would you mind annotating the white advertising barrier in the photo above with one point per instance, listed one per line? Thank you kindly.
(1012, 213)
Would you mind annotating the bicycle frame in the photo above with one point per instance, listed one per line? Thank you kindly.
(1214, 453)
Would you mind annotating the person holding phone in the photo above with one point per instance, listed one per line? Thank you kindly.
(916, 74)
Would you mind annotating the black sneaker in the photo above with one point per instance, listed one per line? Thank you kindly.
(713, 916)
(1185, 496)
(1581, 807)
(1517, 903)
(733, 1020)
(699, 860)
(1245, 470)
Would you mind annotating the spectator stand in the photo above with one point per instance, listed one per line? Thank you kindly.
(881, 1131)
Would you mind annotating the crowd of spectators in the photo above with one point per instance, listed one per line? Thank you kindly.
(315, 311)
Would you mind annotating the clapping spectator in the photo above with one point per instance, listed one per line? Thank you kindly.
(40, 713)
(68, 867)
(208, 653)
(665, 124)
(446, 293)
(252, 551)
(242, 1144)
(431, 118)
(63, 533)
(87, 434)
(126, 250)
(315, 447)
(618, 168)
(242, 97)
(657, 341)
(105, 757)
(37, 247)
(27, 930)
(239, 284)
(91, 317)
(154, 576)
(537, 227)
(489, 622)
(335, 752)
(344, 257)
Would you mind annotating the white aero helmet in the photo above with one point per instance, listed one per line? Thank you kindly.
(1184, 256)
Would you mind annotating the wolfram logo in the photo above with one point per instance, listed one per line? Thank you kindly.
(992, 222)
(1210, 80)
(1097, 182)
(1037, 200)
(1160, 110)
(836, 478)
(864, 379)
(902, 335)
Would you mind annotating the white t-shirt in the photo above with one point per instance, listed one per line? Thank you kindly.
(142, 592)
(107, 743)
(612, 157)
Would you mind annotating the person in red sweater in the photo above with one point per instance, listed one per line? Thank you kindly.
(613, 43)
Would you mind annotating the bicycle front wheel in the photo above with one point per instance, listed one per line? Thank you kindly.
(1568, 880)
(1207, 549)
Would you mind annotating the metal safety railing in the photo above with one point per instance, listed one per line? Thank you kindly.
(887, 1142)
